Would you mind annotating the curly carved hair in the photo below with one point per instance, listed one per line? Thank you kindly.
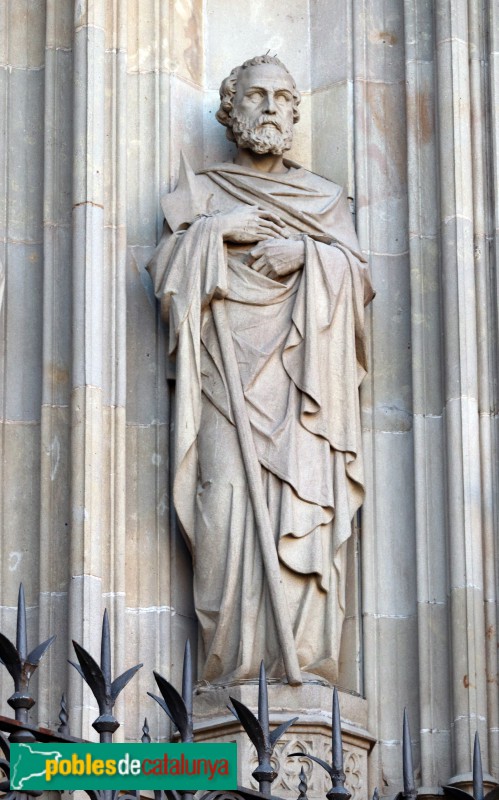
(229, 86)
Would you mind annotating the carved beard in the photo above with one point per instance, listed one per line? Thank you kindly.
(260, 140)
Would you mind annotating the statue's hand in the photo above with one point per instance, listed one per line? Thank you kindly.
(278, 258)
(246, 224)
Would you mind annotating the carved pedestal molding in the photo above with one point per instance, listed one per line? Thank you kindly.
(310, 734)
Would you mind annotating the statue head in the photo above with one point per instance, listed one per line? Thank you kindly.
(259, 105)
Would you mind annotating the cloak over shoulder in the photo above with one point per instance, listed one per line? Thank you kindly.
(300, 348)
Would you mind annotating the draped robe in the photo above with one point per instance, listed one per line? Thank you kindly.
(300, 350)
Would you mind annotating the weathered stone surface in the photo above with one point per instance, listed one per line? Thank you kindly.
(21, 182)
(216, 148)
(263, 27)
(91, 14)
(22, 342)
(22, 28)
(148, 37)
(301, 151)
(350, 676)
(55, 500)
(20, 503)
(390, 585)
(142, 159)
(330, 65)
(53, 616)
(149, 640)
(330, 134)
(85, 613)
(148, 517)
(379, 30)
(147, 395)
(59, 25)
(391, 333)
(425, 327)
(187, 123)
(187, 40)
(89, 129)
(385, 154)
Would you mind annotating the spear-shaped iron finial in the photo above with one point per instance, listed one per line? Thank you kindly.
(98, 679)
(105, 650)
(478, 788)
(264, 773)
(21, 665)
(478, 792)
(263, 701)
(338, 789)
(409, 791)
(258, 731)
(407, 763)
(188, 684)
(178, 708)
(21, 632)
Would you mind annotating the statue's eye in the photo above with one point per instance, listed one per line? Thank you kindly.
(283, 98)
(255, 95)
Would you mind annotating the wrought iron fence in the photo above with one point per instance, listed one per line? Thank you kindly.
(179, 708)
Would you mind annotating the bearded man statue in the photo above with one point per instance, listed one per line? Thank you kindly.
(263, 285)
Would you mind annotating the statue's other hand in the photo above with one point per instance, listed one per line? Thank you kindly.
(246, 224)
(278, 258)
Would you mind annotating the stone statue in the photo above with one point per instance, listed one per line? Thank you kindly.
(263, 284)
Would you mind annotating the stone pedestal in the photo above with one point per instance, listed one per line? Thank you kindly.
(311, 733)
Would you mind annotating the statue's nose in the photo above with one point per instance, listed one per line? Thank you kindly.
(270, 106)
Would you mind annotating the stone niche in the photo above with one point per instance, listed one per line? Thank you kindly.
(311, 733)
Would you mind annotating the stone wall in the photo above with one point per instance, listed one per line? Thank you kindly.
(400, 103)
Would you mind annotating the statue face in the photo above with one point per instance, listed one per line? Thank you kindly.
(262, 114)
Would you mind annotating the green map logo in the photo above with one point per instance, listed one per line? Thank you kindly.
(40, 767)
